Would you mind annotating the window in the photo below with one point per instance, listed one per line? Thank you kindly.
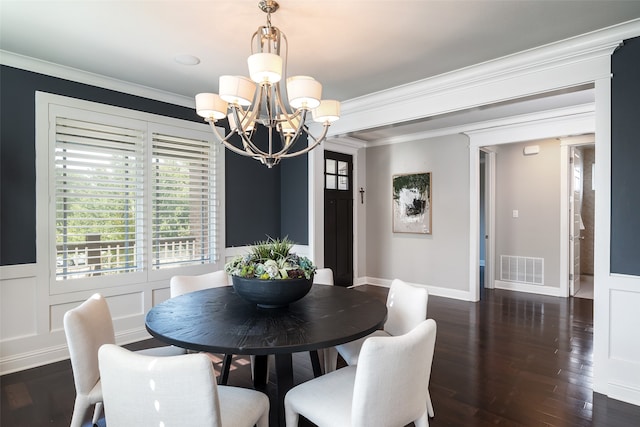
(128, 196)
(336, 174)
(99, 198)
(182, 200)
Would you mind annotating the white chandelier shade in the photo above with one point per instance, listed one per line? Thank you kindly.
(265, 68)
(327, 112)
(237, 90)
(211, 105)
(304, 92)
(249, 102)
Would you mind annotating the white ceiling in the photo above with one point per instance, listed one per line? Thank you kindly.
(353, 47)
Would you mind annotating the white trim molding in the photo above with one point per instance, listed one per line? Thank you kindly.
(350, 146)
(553, 291)
(567, 63)
(50, 69)
(432, 289)
(551, 124)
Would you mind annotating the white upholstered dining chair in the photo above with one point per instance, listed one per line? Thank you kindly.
(179, 285)
(150, 391)
(87, 327)
(406, 308)
(323, 276)
(388, 386)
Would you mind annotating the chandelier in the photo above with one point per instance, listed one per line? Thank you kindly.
(248, 103)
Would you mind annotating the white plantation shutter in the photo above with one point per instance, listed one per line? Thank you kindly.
(183, 201)
(130, 195)
(98, 198)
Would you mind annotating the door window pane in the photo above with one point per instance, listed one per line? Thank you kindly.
(343, 183)
(343, 168)
(330, 182)
(330, 166)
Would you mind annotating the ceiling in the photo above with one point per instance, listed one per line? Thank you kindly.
(352, 47)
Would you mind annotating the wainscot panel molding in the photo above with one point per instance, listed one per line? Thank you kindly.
(42, 340)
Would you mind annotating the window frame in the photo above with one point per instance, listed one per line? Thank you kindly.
(47, 107)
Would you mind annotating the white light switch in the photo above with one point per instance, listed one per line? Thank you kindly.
(516, 213)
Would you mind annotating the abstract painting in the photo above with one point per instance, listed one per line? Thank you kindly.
(412, 203)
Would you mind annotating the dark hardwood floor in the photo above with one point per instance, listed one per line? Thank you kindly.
(512, 359)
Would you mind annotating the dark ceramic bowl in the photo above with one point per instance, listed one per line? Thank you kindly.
(271, 293)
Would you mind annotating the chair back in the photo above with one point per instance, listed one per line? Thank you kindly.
(392, 378)
(86, 328)
(180, 285)
(155, 391)
(323, 276)
(406, 307)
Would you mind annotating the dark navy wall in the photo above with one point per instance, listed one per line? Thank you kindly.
(284, 186)
(625, 158)
(253, 191)
(253, 199)
(294, 195)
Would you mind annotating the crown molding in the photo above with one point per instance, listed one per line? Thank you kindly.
(578, 60)
(347, 141)
(569, 121)
(51, 69)
(487, 125)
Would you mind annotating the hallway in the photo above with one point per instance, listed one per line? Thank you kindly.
(586, 287)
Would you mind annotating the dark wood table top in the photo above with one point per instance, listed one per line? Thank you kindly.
(217, 320)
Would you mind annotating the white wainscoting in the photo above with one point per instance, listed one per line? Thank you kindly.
(31, 328)
(31, 318)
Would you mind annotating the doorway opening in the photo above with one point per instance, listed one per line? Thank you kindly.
(581, 220)
(338, 216)
(486, 219)
(522, 250)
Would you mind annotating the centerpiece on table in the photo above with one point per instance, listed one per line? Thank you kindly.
(270, 275)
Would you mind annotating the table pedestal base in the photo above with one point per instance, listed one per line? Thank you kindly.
(284, 382)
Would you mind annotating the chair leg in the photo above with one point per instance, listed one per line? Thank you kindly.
(430, 411)
(96, 413)
(80, 408)
(330, 356)
(315, 363)
(423, 421)
(224, 371)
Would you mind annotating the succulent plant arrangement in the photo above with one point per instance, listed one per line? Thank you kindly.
(271, 259)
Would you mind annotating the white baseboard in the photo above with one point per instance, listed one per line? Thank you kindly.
(433, 290)
(525, 287)
(32, 359)
(56, 353)
(624, 393)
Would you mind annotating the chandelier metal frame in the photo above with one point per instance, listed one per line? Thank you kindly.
(258, 101)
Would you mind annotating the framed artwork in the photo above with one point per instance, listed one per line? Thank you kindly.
(412, 203)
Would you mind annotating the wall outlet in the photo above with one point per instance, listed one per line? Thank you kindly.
(515, 213)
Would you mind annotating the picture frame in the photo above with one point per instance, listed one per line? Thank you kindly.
(411, 201)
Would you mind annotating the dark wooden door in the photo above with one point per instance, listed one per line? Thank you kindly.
(338, 216)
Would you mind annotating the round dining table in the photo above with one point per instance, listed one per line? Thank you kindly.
(217, 320)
